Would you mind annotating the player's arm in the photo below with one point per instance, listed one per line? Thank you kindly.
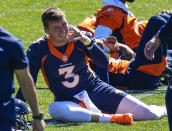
(112, 43)
(93, 51)
(33, 55)
(26, 83)
(19, 63)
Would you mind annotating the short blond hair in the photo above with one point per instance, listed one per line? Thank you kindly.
(52, 14)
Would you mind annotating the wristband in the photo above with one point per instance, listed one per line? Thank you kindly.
(87, 42)
(38, 117)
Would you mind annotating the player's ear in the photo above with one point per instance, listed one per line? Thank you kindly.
(46, 30)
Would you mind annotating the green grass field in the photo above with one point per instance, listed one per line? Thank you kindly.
(22, 18)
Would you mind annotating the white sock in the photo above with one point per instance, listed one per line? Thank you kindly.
(105, 118)
(159, 112)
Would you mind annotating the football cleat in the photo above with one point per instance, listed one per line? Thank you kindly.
(126, 119)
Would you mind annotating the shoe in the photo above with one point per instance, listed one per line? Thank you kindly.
(126, 119)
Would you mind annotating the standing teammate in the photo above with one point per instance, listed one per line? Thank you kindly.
(13, 60)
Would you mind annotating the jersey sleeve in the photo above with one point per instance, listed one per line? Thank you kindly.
(34, 56)
(99, 57)
(18, 55)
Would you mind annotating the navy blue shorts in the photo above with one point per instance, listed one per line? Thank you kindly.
(7, 115)
(106, 97)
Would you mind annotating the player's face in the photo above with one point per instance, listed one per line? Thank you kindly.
(58, 31)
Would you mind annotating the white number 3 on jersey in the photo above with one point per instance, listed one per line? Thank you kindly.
(67, 72)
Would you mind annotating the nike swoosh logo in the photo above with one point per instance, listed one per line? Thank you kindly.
(1, 50)
(6, 103)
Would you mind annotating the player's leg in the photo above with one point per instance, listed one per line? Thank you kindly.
(69, 111)
(6, 126)
(154, 24)
(20, 96)
(168, 99)
(113, 101)
(140, 110)
(7, 115)
(142, 69)
(72, 112)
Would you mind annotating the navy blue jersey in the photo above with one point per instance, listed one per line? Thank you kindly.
(65, 69)
(141, 73)
(12, 56)
(166, 31)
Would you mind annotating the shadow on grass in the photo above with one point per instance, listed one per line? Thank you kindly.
(146, 91)
(60, 123)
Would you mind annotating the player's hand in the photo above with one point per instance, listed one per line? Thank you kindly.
(150, 47)
(38, 125)
(127, 52)
(112, 43)
(76, 34)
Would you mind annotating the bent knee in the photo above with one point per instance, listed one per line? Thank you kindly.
(158, 20)
(58, 110)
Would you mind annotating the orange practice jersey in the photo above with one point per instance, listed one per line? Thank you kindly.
(123, 25)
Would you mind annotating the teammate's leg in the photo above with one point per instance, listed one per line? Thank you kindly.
(7, 115)
(154, 24)
(168, 99)
(142, 69)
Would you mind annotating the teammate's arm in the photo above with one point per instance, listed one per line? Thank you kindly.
(26, 83)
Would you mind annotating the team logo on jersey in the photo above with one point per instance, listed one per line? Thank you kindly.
(64, 58)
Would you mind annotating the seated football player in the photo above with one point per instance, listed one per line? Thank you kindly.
(79, 94)
(115, 25)
(115, 19)
(139, 73)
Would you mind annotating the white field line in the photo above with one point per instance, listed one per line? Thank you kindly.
(142, 94)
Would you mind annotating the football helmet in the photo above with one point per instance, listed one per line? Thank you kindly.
(22, 115)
